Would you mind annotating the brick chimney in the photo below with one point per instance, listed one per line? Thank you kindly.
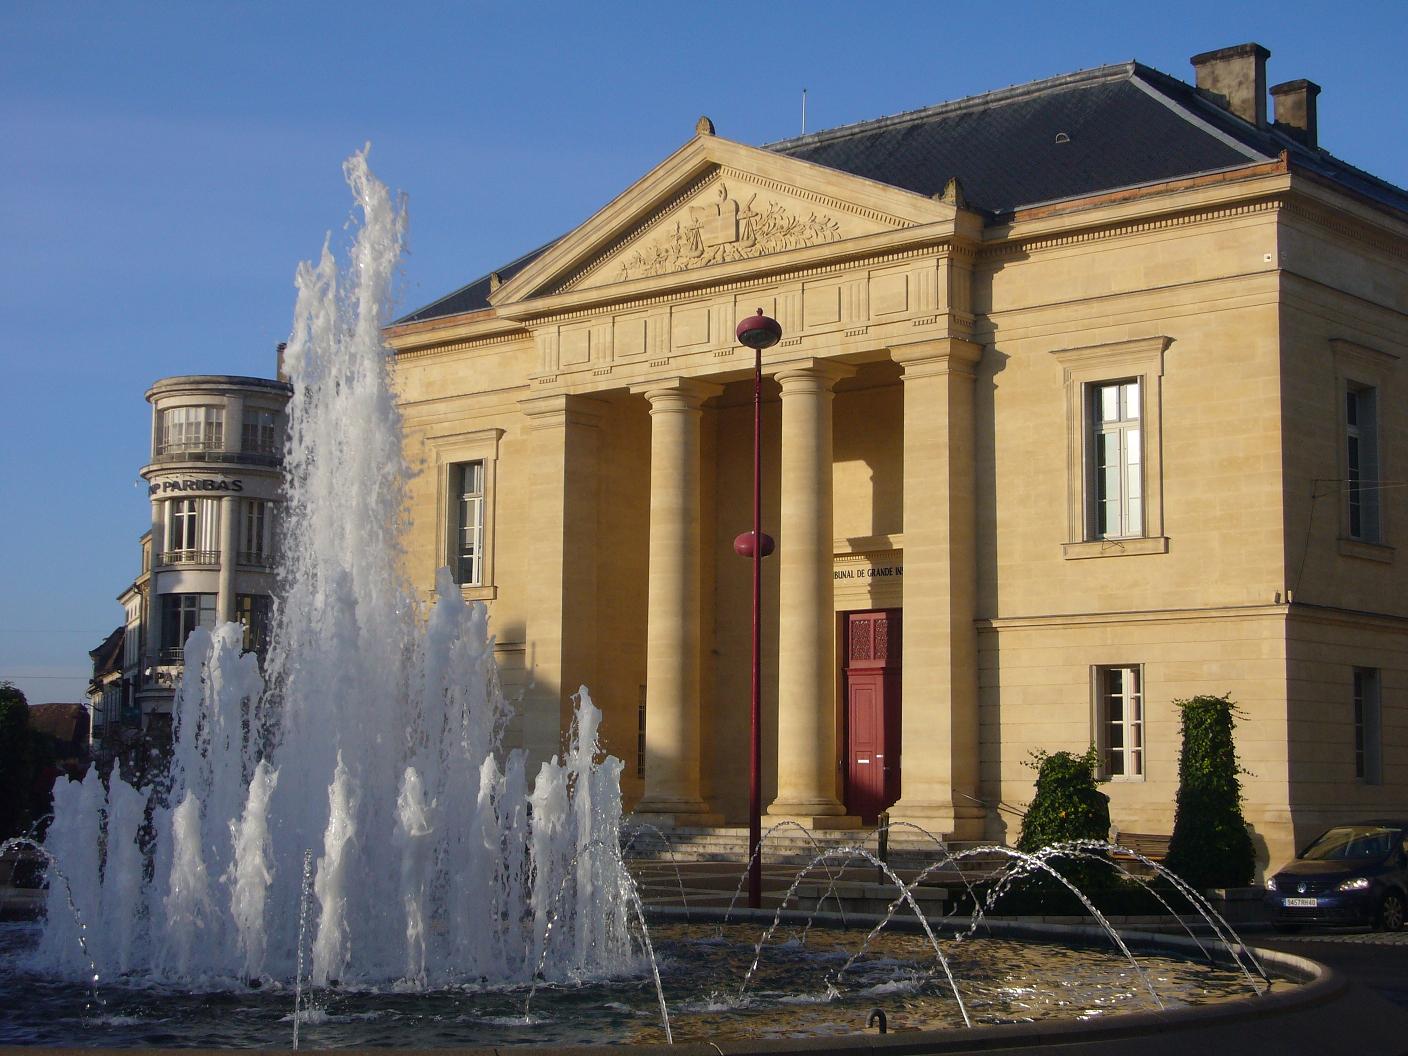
(1235, 79)
(1295, 110)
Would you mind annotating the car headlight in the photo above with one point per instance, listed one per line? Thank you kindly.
(1271, 883)
(1359, 883)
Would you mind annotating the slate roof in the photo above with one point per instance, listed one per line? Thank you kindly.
(475, 295)
(1121, 126)
(66, 723)
(107, 657)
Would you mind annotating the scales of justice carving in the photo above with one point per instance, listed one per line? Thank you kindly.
(727, 230)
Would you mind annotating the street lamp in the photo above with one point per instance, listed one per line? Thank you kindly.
(757, 332)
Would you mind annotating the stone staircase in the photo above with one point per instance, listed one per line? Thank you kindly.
(908, 850)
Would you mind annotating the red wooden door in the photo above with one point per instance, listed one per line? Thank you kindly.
(872, 680)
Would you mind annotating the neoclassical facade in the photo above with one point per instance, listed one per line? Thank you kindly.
(1089, 400)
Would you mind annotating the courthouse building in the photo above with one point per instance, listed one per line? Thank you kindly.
(1090, 398)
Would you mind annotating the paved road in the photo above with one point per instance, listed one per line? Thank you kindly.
(1376, 958)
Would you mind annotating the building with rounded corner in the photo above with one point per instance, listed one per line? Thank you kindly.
(215, 484)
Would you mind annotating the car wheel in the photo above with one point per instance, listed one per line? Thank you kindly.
(1391, 912)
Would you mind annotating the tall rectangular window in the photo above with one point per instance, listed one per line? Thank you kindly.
(252, 610)
(467, 489)
(258, 432)
(1119, 717)
(256, 524)
(1362, 462)
(1367, 731)
(180, 615)
(192, 531)
(1116, 464)
(200, 428)
(184, 525)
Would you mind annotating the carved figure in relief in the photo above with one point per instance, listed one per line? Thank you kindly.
(724, 231)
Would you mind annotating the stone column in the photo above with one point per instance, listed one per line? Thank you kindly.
(233, 440)
(229, 558)
(673, 647)
(153, 620)
(561, 634)
(807, 769)
(939, 689)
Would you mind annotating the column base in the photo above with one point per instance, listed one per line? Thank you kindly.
(670, 813)
(952, 821)
(815, 821)
(676, 819)
(819, 807)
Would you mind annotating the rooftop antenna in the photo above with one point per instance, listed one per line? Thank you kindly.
(804, 111)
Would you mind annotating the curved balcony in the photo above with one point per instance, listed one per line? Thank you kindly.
(188, 557)
(202, 452)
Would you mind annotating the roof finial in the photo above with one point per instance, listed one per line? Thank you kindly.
(495, 281)
(704, 127)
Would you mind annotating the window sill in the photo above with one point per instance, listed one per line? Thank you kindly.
(488, 593)
(1157, 544)
(1368, 551)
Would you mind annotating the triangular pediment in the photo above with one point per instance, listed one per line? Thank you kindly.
(716, 204)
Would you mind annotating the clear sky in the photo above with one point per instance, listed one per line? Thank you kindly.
(165, 166)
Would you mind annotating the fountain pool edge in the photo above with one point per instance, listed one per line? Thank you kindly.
(1327, 1013)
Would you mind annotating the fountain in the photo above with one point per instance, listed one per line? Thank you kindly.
(376, 744)
(347, 851)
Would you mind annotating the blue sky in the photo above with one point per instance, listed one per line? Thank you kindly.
(165, 166)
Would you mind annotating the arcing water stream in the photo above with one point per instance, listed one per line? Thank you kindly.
(376, 743)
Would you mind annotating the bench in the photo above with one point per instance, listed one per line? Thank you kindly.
(1151, 845)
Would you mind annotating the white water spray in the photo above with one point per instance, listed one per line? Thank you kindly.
(376, 745)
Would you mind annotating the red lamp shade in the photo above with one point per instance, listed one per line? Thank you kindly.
(743, 544)
(758, 331)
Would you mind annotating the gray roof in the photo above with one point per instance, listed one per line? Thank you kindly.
(1065, 137)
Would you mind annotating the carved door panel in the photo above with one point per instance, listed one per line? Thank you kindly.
(872, 682)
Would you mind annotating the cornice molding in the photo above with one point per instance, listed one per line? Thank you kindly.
(1353, 228)
(998, 252)
(461, 346)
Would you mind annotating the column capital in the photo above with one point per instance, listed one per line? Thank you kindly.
(546, 412)
(811, 374)
(676, 394)
(943, 355)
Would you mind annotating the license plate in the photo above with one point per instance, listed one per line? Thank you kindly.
(1302, 903)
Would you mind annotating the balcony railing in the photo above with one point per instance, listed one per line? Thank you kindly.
(256, 560)
(188, 557)
(202, 453)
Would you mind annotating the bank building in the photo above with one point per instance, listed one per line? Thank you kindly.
(1090, 398)
(215, 483)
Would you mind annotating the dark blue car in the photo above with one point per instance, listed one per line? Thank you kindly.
(1350, 874)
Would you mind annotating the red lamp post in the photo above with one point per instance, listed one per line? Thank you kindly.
(757, 332)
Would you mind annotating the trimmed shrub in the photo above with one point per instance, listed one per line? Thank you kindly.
(1210, 846)
(1067, 806)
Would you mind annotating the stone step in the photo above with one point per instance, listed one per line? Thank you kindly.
(729, 843)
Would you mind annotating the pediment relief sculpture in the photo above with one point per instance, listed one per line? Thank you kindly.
(724, 230)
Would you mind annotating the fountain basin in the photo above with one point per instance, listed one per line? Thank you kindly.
(1307, 1009)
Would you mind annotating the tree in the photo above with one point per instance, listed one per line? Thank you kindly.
(1210, 846)
(16, 762)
